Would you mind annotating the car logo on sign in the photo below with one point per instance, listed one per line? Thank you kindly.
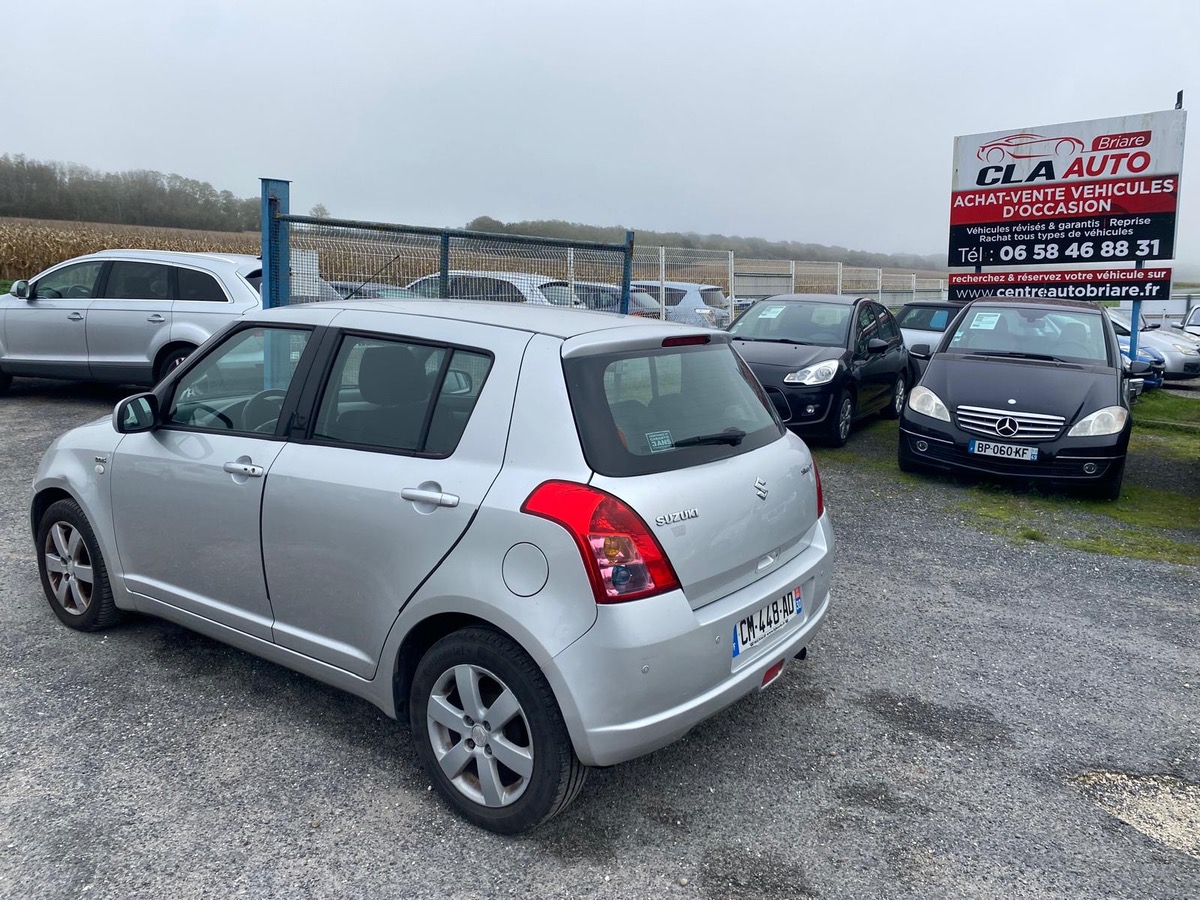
(760, 488)
(1007, 426)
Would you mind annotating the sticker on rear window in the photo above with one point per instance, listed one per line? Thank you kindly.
(985, 321)
(771, 312)
(659, 441)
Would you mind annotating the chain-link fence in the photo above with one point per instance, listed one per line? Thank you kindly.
(687, 285)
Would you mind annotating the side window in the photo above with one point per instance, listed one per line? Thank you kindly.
(456, 399)
(501, 291)
(430, 286)
(77, 282)
(468, 287)
(138, 281)
(887, 325)
(197, 286)
(378, 393)
(865, 328)
(240, 384)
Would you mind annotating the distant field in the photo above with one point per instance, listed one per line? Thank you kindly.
(29, 245)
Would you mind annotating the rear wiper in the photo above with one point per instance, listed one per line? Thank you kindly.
(731, 436)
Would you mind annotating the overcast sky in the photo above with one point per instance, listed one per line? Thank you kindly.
(830, 123)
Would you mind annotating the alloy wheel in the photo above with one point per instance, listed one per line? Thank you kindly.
(69, 568)
(480, 736)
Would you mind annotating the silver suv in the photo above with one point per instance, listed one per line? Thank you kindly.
(548, 538)
(123, 316)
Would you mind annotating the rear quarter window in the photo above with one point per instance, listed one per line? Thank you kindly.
(636, 411)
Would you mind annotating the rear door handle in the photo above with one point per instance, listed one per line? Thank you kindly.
(75, 317)
(437, 498)
(156, 319)
(247, 469)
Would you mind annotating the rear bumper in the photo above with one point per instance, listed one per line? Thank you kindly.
(649, 671)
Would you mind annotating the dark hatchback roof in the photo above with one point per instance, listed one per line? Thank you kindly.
(1051, 303)
(845, 299)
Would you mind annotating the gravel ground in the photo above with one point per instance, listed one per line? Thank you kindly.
(958, 730)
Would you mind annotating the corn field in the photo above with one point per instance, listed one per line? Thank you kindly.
(27, 246)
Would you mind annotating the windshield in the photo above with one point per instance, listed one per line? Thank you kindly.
(798, 321)
(1075, 336)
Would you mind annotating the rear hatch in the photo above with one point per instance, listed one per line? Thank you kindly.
(680, 430)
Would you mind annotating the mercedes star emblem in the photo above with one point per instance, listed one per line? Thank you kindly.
(1007, 426)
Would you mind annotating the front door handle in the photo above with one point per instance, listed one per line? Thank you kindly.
(76, 317)
(156, 319)
(247, 469)
(437, 498)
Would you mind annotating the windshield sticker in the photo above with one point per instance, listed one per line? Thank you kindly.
(771, 312)
(659, 441)
(985, 321)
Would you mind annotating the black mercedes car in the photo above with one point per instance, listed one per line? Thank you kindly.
(825, 360)
(1034, 389)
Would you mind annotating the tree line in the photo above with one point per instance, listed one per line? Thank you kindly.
(34, 189)
(748, 247)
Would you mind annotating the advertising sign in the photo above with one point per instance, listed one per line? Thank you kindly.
(1078, 284)
(1093, 192)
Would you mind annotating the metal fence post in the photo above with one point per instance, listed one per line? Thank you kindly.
(879, 286)
(839, 278)
(731, 299)
(627, 272)
(444, 267)
(662, 282)
(914, 288)
(276, 261)
(793, 268)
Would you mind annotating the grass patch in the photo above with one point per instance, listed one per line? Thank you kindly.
(1161, 408)
(5, 284)
(1145, 523)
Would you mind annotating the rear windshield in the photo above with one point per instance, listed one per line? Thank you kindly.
(714, 297)
(925, 318)
(647, 411)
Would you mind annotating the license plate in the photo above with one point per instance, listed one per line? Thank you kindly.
(766, 621)
(1007, 451)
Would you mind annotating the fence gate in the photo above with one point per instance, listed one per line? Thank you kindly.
(307, 259)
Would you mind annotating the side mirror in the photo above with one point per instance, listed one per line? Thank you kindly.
(1137, 367)
(20, 290)
(876, 345)
(1151, 327)
(920, 351)
(136, 413)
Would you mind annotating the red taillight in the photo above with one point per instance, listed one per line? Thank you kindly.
(623, 559)
(820, 493)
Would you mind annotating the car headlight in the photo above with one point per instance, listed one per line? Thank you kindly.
(924, 401)
(1189, 349)
(1109, 420)
(705, 313)
(817, 373)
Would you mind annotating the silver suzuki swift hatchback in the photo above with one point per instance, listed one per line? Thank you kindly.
(551, 538)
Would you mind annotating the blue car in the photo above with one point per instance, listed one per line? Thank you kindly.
(1152, 358)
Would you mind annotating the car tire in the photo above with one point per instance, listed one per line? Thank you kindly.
(896, 401)
(841, 418)
(527, 770)
(74, 576)
(1109, 487)
(172, 361)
